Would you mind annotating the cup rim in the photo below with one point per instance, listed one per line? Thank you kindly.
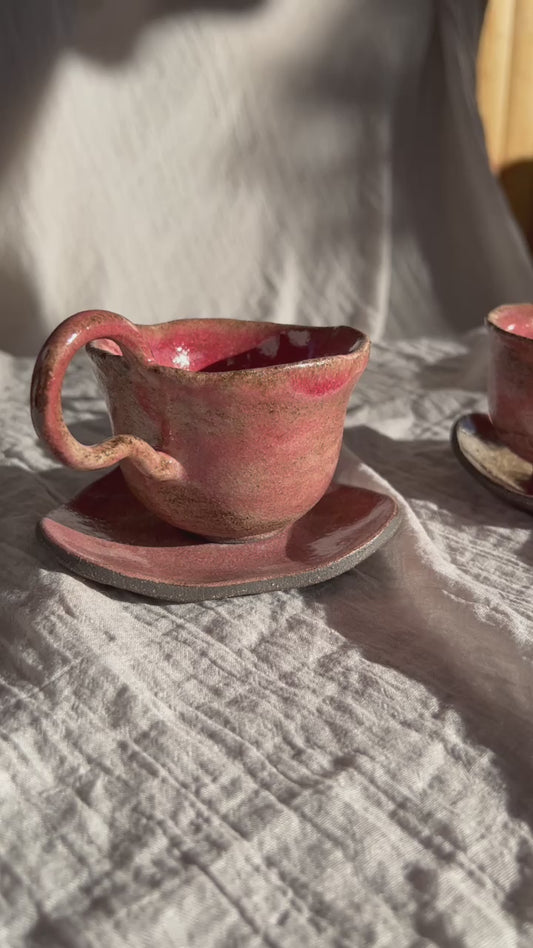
(362, 343)
(500, 310)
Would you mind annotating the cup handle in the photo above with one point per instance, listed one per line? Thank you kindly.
(47, 382)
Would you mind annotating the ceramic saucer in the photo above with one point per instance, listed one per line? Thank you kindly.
(105, 535)
(479, 450)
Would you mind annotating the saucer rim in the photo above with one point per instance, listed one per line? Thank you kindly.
(180, 593)
(509, 495)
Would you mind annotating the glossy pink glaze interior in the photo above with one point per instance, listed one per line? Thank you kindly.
(208, 345)
(516, 319)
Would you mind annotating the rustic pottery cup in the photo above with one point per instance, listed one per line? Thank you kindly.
(510, 379)
(226, 428)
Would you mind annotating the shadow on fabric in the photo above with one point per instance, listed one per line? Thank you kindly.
(400, 637)
(417, 617)
(33, 35)
(446, 485)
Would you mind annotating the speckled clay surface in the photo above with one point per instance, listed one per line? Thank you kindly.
(510, 380)
(479, 449)
(226, 428)
(107, 536)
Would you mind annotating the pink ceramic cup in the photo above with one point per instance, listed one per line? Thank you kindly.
(226, 428)
(510, 380)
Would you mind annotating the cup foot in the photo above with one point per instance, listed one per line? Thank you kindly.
(256, 538)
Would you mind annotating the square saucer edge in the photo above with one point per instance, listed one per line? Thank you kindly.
(180, 592)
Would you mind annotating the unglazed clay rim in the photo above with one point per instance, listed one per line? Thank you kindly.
(494, 313)
(361, 342)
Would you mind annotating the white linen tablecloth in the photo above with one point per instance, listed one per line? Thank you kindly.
(349, 764)
(345, 765)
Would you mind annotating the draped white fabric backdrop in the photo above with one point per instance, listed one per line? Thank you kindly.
(285, 159)
(346, 765)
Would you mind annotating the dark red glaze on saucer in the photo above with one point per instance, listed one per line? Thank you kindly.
(104, 534)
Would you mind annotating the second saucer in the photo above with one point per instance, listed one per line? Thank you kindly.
(483, 455)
